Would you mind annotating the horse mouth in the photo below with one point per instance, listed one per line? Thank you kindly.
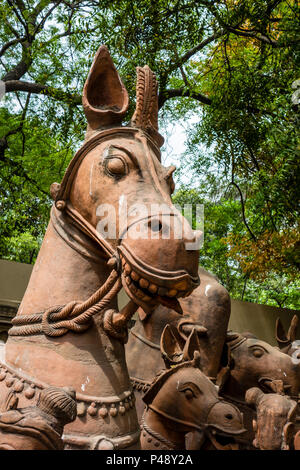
(222, 441)
(148, 286)
(269, 385)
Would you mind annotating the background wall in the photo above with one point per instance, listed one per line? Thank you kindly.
(14, 278)
(245, 316)
(259, 319)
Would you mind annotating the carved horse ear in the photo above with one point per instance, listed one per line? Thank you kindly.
(233, 340)
(280, 334)
(191, 346)
(197, 359)
(146, 112)
(171, 345)
(225, 360)
(292, 333)
(282, 338)
(105, 99)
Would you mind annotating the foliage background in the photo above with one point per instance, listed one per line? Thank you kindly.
(228, 69)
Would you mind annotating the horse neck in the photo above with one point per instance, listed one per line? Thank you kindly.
(153, 325)
(165, 428)
(61, 274)
(232, 388)
(95, 362)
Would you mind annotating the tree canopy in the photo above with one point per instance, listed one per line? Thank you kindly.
(230, 65)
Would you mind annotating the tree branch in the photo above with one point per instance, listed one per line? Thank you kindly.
(37, 88)
(256, 35)
(20, 69)
(11, 43)
(41, 24)
(16, 165)
(240, 193)
(181, 92)
(197, 48)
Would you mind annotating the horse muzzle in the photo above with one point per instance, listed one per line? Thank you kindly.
(149, 286)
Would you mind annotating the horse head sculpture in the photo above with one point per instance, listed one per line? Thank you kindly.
(68, 330)
(119, 169)
(182, 399)
(255, 363)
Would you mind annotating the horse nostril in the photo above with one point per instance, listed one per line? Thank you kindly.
(229, 416)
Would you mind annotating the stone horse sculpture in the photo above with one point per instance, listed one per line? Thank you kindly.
(68, 330)
(275, 419)
(182, 400)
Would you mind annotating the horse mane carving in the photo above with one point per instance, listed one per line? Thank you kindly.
(146, 112)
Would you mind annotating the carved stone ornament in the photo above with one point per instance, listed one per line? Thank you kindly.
(38, 427)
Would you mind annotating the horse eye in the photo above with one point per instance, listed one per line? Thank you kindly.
(189, 394)
(257, 352)
(115, 166)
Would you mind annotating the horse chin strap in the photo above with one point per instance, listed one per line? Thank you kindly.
(179, 421)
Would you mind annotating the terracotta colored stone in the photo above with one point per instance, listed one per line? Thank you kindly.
(255, 363)
(287, 342)
(297, 441)
(244, 363)
(182, 399)
(274, 424)
(39, 427)
(207, 309)
(62, 335)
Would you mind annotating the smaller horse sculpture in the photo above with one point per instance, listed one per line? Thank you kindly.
(275, 421)
(68, 330)
(183, 400)
(255, 363)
